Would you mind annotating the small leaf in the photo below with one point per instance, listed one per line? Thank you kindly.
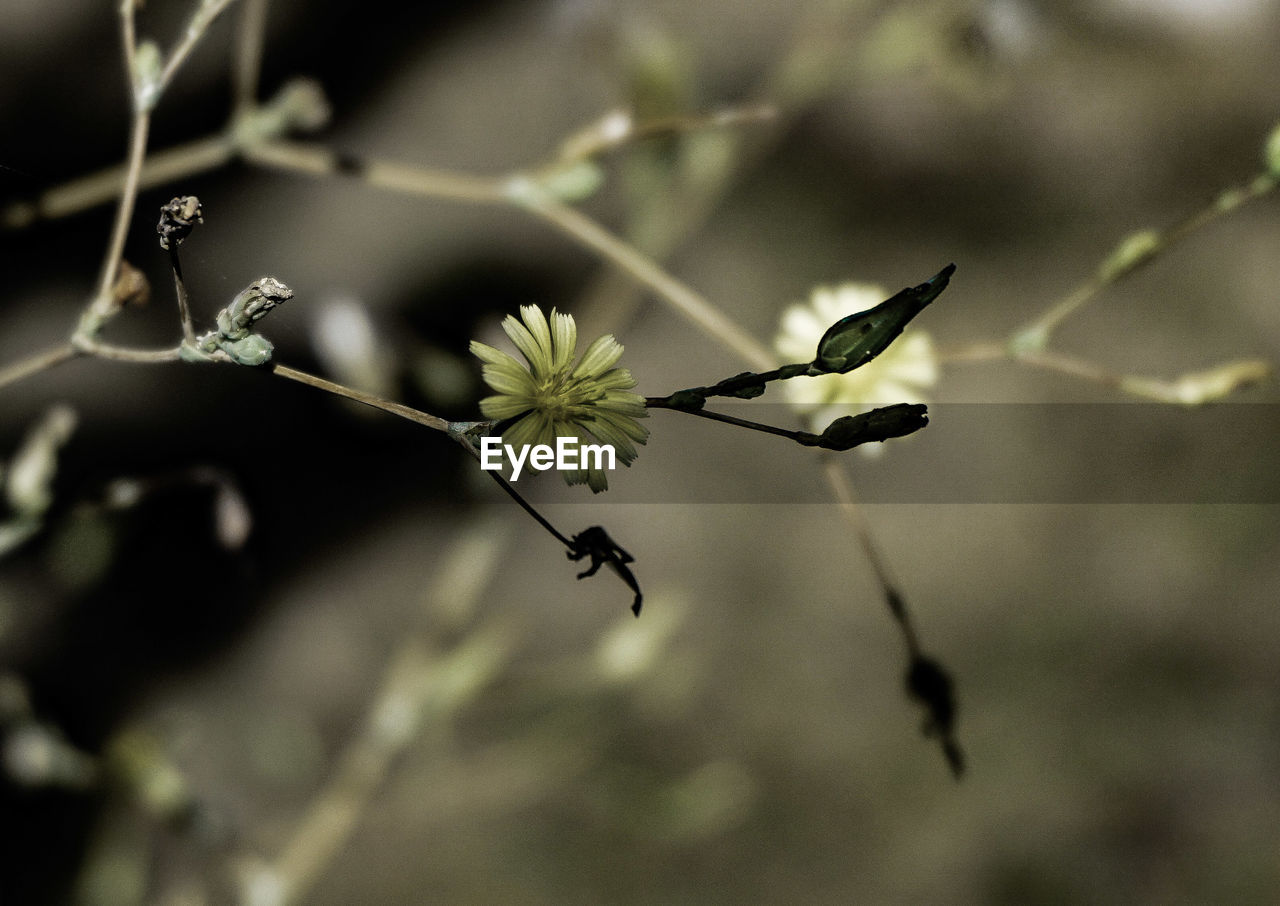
(853, 341)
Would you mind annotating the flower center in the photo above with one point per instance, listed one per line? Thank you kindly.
(564, 398)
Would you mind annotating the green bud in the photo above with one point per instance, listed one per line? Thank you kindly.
(233, 340)
(687, 400)
(254, 349)
(1134, 250)
(198, 352)
(744, 386)
(880, 424)
(148, 65)
(575, 182)
(299, 105)
(853, 341)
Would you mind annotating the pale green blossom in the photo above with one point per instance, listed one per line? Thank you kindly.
(553, 397)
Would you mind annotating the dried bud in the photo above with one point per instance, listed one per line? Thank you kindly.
(177, 219)
(131, 286)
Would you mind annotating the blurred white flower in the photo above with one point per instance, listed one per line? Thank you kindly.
(346, 341)
(29, 480)
(900, 374)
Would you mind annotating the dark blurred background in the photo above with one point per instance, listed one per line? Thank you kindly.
(748, 739)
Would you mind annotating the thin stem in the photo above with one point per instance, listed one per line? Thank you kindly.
(520, 191)
(368, 399)
(1070, 365)
(41, 361)
(662, 403)
(246, 69)
(1116, 268)
(976, 352)
(517, 496)
(133, 162)
(315, 160)
(180, 289)
(205, 14)
(420, 690)
(129, 36)
(617, 129)
(838, 479)
(689, 303)
(128, 197)
(85, 192)
(89, 346)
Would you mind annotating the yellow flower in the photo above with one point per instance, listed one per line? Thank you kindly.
(900, 374)
(552, 397)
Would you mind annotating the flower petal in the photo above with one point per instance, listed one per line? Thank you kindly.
(574, 476)
(539, 362)
(915, 361)
(504, 407)
(618, 431)
(625, 402)
(615, 379)
(533, 429)
(608, 434)
(522, 432)
(491, 356)
(536, 321)
(503, 381)
(597, 480)
(564, 340)
(599, 357)
(629, 426)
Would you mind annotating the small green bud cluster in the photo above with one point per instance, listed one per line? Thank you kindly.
(233, 339)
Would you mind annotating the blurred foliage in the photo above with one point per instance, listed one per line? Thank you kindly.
(388, 689)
